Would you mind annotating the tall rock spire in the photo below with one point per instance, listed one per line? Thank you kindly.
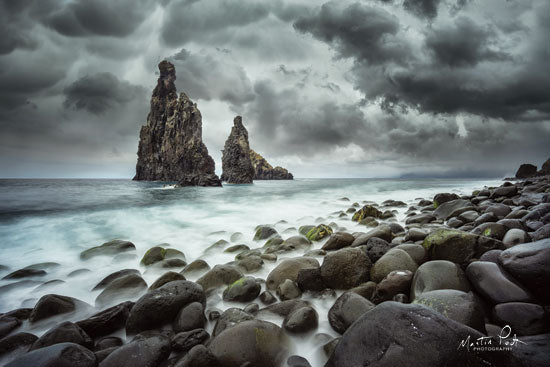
(236, 164)
(170, 145)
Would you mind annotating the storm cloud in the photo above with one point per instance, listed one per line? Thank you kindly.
(326, 88)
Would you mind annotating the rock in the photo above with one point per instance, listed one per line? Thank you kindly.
(346, 310)
(110, 248)
(365, 290)
(198, 356)
(66, 332)
(170, 145)
(443, 198)
(58, 355)
(236, 163)
(190, 317)
(167, 277)
(297, 361)
(252, 309)
(104, 353)
(52, 305)
(491, 230)
(398, 281)
(148, 349)
(383, 232)
(452, 208)
(529, 263)
(284, 308)
(310, 280)
(229, 318)
(416, 252)
(161, 305)
(267, 298)
(376, 248)
(183, 342)
(541, 233)
(127, 287)
(455, 223)
(366, 211)
(25, 273)
(468, 216)
(494, 285)
(396, 228)
(498, 210)
(458, 246)
(345, 268)
(423, 218)
(438, 274)
(506, 191)
(78, 272)
(114, 276)
(523, 318)
(534, 352)
(8, 324)
(288, 290)
(485, 218)
(319, 232)
(526, 170)
(415, 234)
(264, 171)
(394, 259)
(157, 254)
(294, 243)
(459, 306)
(196, 266)
(264, 232)
(258, 343)
(301, 320)
(491, 256)
(338, 240)
(243, 290)
(289, 269)
(396, 334)
(108, 342)
(15, 345)
(514, 237)
(250, 264)
(106, 321)
(219, 275)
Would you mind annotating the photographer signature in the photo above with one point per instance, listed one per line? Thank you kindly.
(503, 341)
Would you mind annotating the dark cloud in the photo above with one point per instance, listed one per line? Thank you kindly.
(422, 8)
(99, 93)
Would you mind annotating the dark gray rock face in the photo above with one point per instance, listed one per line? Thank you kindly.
(148, 349)
(236, 163)
(66, 332)
(106, 321)
(170, 145)
(265, 171)
(346, 310)
(58, 355)
(526, 170)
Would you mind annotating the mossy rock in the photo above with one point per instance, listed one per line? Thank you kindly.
(273, 242)
(319, 232)
(366, 211)
(153, 255)
(196, 266)
(236, 248)
(303, 230)
(264, 232)
(113, 247)
(157, 254)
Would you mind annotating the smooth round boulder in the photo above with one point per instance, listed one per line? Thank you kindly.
(416, 252)
(148, 349)
(491, 256)
(395, 259)
(219, 275)
(14, 345)
(289, 269)
(110, 248)
(523, 318)
(288, 290)
(338, 240)
(52, 305)
(310, 280)
(189, 317)
(443, 198)
(243, 290)
(514, 237)
(491, 230)
(229, 318)
(396, 282)
(255, 342)
(114, 276)
(161, 305)
(415, 234)
(346, 310)
(264, 232)
(106, 321)
(66, 332)
(383, 232)
(498, 210)
(198, 356)
(301, 320)
(196, 266)
(167, 277)
(58, 355)
(345, 268)
(184, 341)
(124, 288)
(438, 274)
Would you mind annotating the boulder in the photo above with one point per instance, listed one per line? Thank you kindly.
(114, 276)
(301, 320)
(284, 308)
(338, 240)
(366, 211)
(346, 310)
(183, 342)
(53, 304)
(498, 210)
(310, 280)
(148, 349)
(197, 266)
(383, 232)
(505, 191)
(514, 237)
(127, 287)
(106, 321)
(452, 208)
(523, 318)
(14, 345)
(395, 259)
(161, 305)
(243, 290)
(25, 273)
(157, 254)
(423, 218)
(229, 318)
(289, 269)
(110, 248)
(396, 282)
(416, 252)
(526, 170)
(264, 232)
(236, 163)
(438, 274)
(265, 171)
(415, 234)
(167, 277)
(541, 233)
(254, 342)
(376, 248)
(58, 355)
(219, 275)
(491, 230)
(345, 268)
(319, 232)
(198, 356)
(108, 342)
(189, 318)
(288, 290)
(66, 332)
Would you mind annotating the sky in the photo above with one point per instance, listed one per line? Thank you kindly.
(379, 88)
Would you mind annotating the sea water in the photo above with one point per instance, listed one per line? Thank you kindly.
(54, 220)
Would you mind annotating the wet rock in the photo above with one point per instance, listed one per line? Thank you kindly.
(104, 353)
(236, 163)
(452, 208)
(183, 342)
(398, 281)
(284, 308)
(338, 240)
(494, 285)
(110, 248)
(499, 210)
(459, 306)
(468, 216)
(365, 290)
(438, 274)
(127, 287)
(52, 305)
(256, 342)
(289, 269)
(161, 305)
(319, 232)
(66, 332)
(157, 254)
(514, 237)
(114, 276)
(366, 211)
(167, 277)
(415, 234)
(423, 218)
(297, 361)
(529, 263)
(219, 275)
(541, 233)
(491, 230)
(455, 223)
(485, 218)
(396, 334)
(229, 318)
(395, 259)
(506, 191)
(108, 342)
(106, 321)
(15, 345)
(523, 318)
(198, 356)
(301, 320)
(264, 232)
(310, 280)
(8, 324)
(250, 264)
(526, 170)
(148, 349)
(267, 298)
(416, 252)
(383, 232)
(243, 290)
(170, 145)
(345, 268)
(189, 317)
(443, 198)
(252, 309)
(78, 272)
(58, 355)
(265, 171)
(25, 273)
(376, 248)
(346, 310)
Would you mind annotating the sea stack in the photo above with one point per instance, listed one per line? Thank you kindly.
(236, 164)
(170, 145)
(265, 171)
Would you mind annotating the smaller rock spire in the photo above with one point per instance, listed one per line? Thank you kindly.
(236, 164)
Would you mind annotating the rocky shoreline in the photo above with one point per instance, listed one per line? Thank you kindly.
(425, 293)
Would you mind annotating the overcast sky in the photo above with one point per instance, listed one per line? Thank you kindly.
(377, 88)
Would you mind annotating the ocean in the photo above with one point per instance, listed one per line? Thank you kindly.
(53, 220)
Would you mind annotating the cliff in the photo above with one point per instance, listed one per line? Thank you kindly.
(236, 163)
(265, 171)
(170, 145)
